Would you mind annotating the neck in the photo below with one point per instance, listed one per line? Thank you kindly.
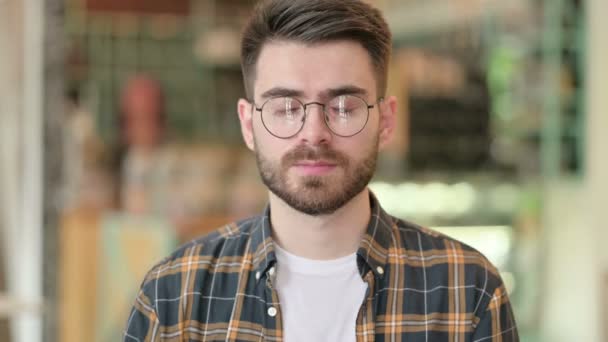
(322, 237)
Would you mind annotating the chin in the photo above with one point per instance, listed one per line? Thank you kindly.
(316, 199)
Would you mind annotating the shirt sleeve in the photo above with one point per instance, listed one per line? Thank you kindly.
(143, 321)
(496, 323)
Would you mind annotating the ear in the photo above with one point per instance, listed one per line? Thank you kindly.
(245, 110)
(388, 110)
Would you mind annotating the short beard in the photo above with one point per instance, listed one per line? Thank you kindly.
(312, 196)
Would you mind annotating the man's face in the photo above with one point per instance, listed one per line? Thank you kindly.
(316, 172)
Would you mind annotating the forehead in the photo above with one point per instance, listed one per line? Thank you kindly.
(314, 68)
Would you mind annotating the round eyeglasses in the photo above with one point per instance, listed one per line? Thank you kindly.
(345, 115)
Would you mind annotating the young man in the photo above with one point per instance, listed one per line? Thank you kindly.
(324, 262)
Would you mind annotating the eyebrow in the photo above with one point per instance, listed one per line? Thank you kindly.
(281, 92)
(344, 90)
(327, 94)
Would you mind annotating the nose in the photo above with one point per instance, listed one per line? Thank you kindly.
(315, 130)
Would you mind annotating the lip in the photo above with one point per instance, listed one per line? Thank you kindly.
(314, 163)
(309, 167)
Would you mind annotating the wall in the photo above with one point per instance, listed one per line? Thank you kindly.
(21, 65)
(575, 225)
(598, 122)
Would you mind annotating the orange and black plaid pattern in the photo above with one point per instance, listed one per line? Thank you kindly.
(422, 286)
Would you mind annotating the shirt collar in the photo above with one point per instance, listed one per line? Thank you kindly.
(373, 248)
(262, 244)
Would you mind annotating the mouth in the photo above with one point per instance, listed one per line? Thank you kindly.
(314, 167)
(314, 163)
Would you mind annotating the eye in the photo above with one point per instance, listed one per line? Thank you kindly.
(345, 107)
(341, 112)
(283, 109)
(286, 114)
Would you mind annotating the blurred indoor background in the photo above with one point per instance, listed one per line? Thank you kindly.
(119, 140)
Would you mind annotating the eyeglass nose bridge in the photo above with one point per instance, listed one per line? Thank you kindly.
(322, 105)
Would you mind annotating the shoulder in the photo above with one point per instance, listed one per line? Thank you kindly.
(197, 259)
(453, 278)
(418, 239)
(445, 258)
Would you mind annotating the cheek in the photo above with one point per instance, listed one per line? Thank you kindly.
(257, 126)
(370, 135)
(270, 147)
(359, 145)
(259, 135)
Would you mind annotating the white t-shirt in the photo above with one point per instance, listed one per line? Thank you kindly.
(320, 299)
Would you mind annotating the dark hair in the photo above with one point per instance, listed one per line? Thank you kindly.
(316, 21)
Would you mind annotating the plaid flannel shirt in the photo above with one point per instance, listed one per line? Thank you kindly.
(422, 286)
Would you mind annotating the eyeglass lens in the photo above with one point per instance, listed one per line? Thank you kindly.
(345, 115)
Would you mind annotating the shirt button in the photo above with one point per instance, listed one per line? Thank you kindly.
(258, 275)
(271, 271)
(272, 311)
(380, 270)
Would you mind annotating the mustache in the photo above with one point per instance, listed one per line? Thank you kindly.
(303, 152)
